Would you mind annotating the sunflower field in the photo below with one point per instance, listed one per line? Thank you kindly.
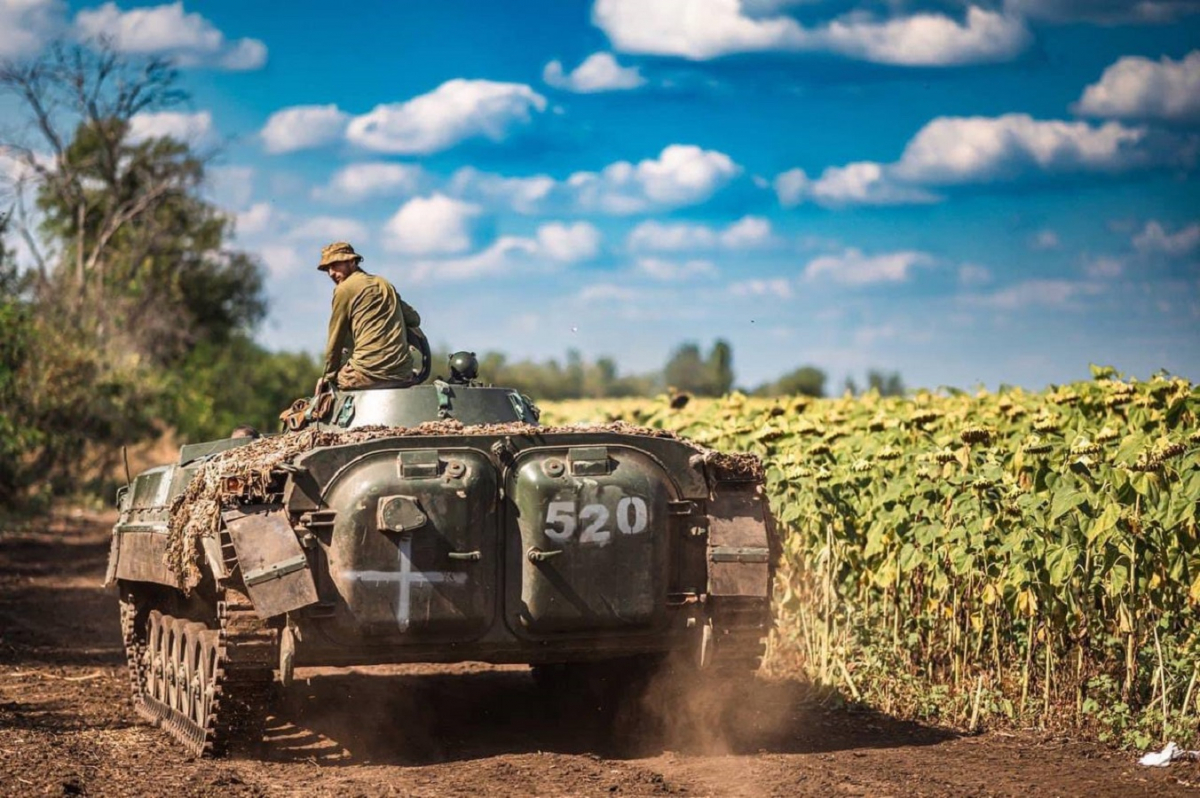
(1010, 557)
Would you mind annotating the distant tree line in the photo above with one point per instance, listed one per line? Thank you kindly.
(687, 370)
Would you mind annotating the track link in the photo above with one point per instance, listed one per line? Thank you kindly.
(207, 687)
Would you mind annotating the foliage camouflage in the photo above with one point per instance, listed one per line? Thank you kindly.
(1025, 555)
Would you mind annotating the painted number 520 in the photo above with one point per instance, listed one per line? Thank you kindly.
(562, 520)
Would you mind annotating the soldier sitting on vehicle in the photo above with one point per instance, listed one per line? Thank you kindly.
(369, 318)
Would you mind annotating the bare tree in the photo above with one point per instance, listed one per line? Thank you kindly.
(69, 89)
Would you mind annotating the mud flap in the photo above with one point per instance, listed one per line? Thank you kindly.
(274, 566)
(738, 550)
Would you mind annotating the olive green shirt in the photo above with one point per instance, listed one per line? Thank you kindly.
(371, 319)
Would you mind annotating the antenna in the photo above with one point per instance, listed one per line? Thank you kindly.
(125, 457)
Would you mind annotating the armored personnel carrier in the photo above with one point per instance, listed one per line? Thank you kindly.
(437, 523)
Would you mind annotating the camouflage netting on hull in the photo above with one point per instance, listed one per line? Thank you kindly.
(196, 513)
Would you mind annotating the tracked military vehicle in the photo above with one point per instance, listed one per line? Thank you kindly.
(438, 523)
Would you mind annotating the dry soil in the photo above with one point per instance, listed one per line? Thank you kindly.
(66, 726)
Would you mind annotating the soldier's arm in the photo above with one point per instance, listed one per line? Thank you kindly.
(339, 328)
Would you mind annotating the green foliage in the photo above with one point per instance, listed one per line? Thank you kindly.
(135, 313)
(166, 265)
(70, 403)
(223, 386)
(1039, 549)
(882, 383)
(720, 368)
(15, 335)
(803, 381)
(15, 438)
(578, 377)
(688, 371)
(885, 384)
(551, 380)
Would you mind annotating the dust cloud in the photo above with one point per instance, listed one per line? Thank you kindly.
(680, 708)
(423, 714)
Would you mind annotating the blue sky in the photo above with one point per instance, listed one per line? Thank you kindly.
(989, 191)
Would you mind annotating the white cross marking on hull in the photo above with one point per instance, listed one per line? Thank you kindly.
(406, 577)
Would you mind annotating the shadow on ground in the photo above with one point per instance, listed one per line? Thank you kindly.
(356, 717)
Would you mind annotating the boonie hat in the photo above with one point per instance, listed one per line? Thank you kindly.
(337, 252)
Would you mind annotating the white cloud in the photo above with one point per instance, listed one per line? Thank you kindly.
(607, 292)
(188, 39)
(859, 183)
(703, 29)
(264, 221)
(553, 245)
(746, 233)
(287, 243)
(852, 267)
(863, 183)
(568, 243)
(792, 186)
(359, 181)
(458, 109)
(929, 39)
(954, 150)
(1104, 12)
(433, 225)
(521, 194)
(331, 228)
(231, 186)
(599, 72)
(261, 217)
(303, 127)
(657, 236)
(26, 25)
(194, 129)
(1044, 240)
(1138, 88)
(1036, 293)
(971, 274)
(1103, 267)
(247, 54)
(505, 255)
(777, 287)
(682, 175)
(675, 271)
(281, 259)
(950, 151)
(1154, 239)
(696, 29)
(16, 172)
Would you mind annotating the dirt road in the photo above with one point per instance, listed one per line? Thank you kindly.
(66, 726)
